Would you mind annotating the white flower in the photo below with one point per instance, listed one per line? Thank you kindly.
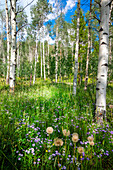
(58, 142)
(66, 132)
(80, 150)
(49, 130)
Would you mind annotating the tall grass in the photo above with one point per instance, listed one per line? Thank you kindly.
(25, 116)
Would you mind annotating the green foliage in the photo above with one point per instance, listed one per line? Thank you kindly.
(39, 12)
(21, 18)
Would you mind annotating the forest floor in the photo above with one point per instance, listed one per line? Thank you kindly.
(25, 116)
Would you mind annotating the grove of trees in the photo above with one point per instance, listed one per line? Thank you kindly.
(82, 49)
(56, 84)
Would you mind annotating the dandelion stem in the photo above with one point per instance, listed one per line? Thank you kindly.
(65, 144)
(74, 151)
(58, 155)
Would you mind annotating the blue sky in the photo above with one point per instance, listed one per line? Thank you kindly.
(69, 7)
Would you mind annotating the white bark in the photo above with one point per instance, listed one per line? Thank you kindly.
(36, 57)
(8, 41)
(103, 61)
(13, 45)
(56, 59)
(30, 59)
(44, 54)
(89, 46)
(76, 51)
(48, 60)
(60, 59)
(41, 57)
(72, 57)
(18, 55)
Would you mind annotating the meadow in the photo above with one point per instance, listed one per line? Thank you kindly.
(43, 126)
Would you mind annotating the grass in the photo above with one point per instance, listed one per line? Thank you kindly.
(26, 114)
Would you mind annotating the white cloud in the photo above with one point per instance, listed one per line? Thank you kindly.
(70, 4)
(52, 2)
(27, 9)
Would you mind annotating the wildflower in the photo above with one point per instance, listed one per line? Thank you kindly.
(75, 134)
(80, 150)
(75, 137)
(78, 164)
(58, 142)
(32, 150)
(59, 165)
(90, 138)
(49, 130)
(91, 143)
(64, 167)
(66, 132)
(102, 150)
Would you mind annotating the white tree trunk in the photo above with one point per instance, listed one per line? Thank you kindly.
(30, 59)
(13, 46)
(87, 61)
(18, 55)
(56, 60)
(44, 54)
(48, 60)
(103, 62)
(36, 56)
(60, 60)
(72, 58)
(76, 51)
(41, 57)
(8, 41)
(89, 46)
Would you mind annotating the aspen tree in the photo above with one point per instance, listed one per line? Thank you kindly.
(103, 61)
(89, 46)
(76, 50)
(13, 46)
(8, 41)
(36, 55)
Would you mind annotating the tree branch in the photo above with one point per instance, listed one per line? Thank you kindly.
(98, 3)
(21, 27)
(24, 7)
(109, 2)
(94, 16)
